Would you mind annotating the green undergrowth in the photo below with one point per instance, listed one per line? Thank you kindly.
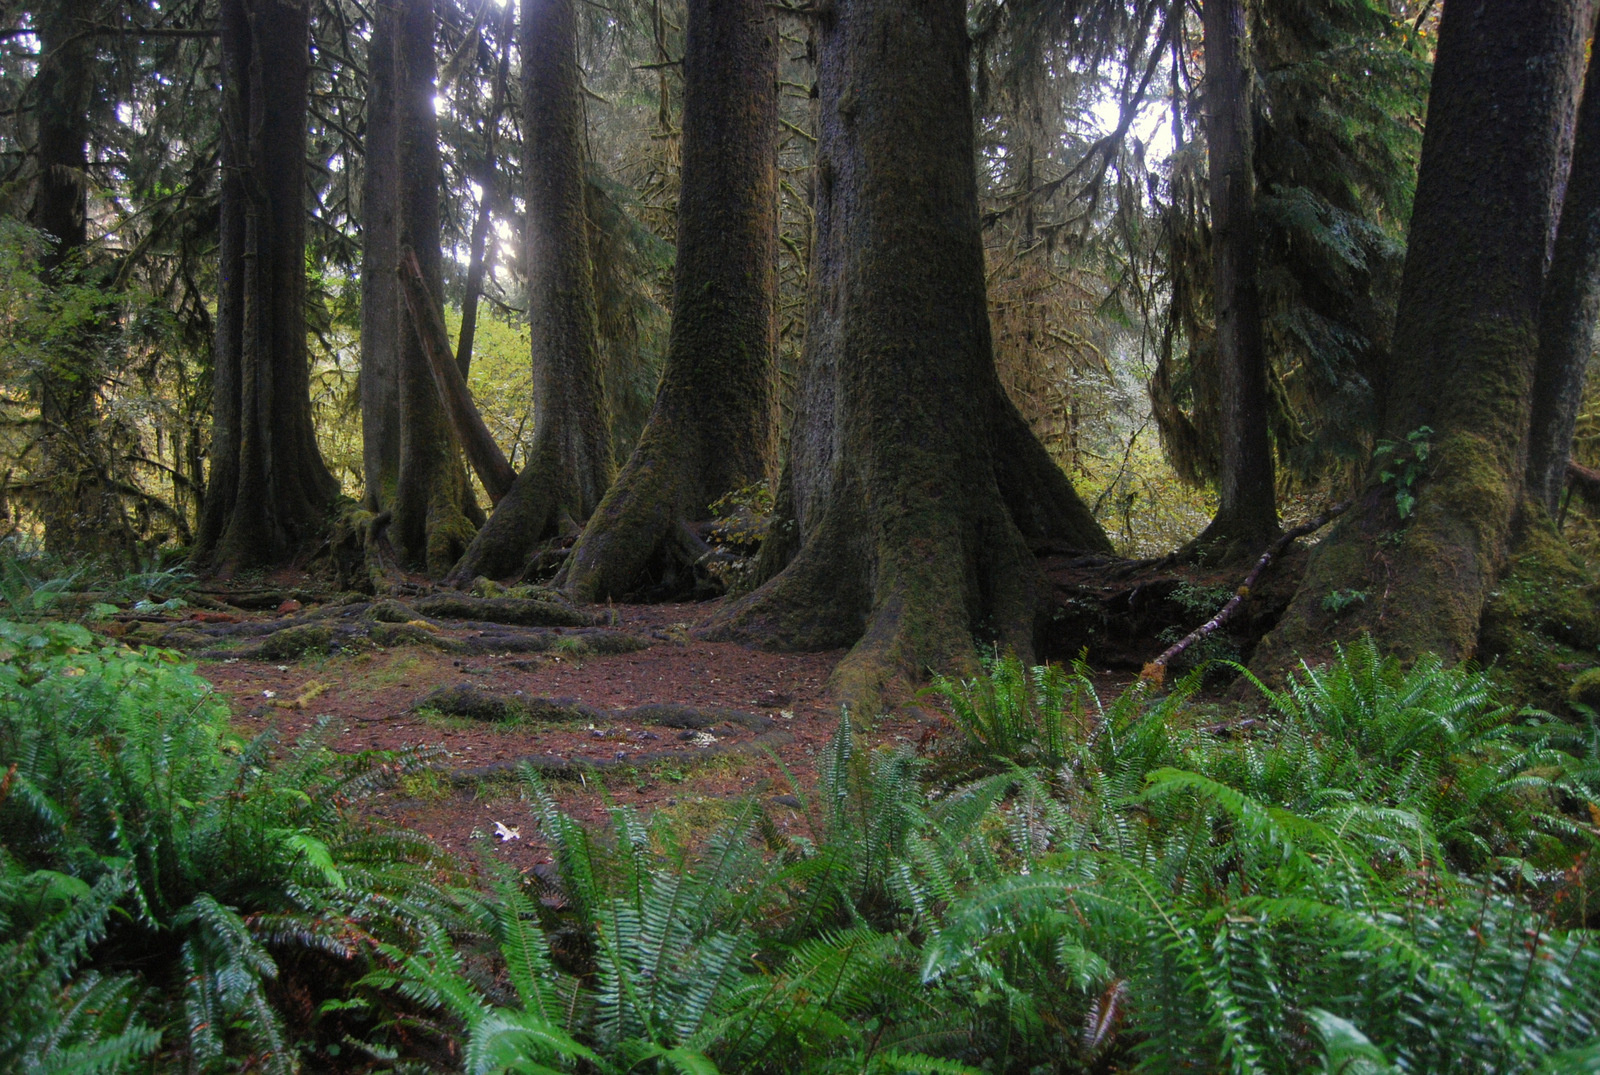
(1387, 871)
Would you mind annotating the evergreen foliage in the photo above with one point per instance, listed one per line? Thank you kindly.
(160, 875)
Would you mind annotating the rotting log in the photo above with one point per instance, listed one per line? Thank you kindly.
(487, 460)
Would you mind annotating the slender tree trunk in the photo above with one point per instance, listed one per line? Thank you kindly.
(432, 522)
(1247, 515)
(1429, 536)
(569, 464)
(715, 421)
(81, 516)
(912, 486)
(270, 493)
(1568, 310)
(380, 260)
(486, 179)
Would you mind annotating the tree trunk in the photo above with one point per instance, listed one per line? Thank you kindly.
(433, 504)
(713, 427)
(270, 493)
(80, 514)
(1247, 514)
(380, 258)
(1428, 537)
(569, 464)
(912, 485)
(486, 179)
(1568, 310)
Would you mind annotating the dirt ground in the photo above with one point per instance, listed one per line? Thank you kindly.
(694, 776)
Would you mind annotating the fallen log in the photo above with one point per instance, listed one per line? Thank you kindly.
(1155, 672)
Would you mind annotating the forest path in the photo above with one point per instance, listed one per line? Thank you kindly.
(629, 711)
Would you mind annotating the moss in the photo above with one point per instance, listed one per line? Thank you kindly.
(1543, 619)
(413, 633)
(475, 703)
(1585, 689)
(389, 612)
(292, 643)
(520, 612)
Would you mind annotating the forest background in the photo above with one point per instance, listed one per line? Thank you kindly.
(1095, 226)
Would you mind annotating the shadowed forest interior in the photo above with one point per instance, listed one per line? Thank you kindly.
(1008, 536)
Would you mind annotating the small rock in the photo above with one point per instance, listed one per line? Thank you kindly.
(792, 802)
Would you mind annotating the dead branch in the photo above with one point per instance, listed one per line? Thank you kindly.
(1155, 671)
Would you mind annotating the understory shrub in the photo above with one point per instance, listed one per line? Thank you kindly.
(165, 885)
(1386, 873)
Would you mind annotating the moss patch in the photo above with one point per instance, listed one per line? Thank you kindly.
(1543, 620)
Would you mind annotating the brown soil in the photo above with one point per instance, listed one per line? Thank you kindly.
(591, 765)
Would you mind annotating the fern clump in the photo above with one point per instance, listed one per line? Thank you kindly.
(188, 867)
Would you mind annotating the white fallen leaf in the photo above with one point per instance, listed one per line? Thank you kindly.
(506, 832)
(230, 660)
(282, 667)
(786, 714)
(269, 694)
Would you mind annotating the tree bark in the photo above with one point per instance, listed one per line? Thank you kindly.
(270, 493)
(1465, 344)
(907, 465)
(1568, 310)
(1247, 513)
(433, 505)
(380, 255)
(714, 423)
(479, 243)
(466, 424)
(80, 514)
(569, 464)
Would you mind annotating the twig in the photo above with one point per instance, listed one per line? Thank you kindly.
(1155, 672)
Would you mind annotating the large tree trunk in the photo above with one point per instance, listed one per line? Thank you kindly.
(80, 513)
(1247, 515)
(569, 464)
(713, 427)
(380, 260)
(912, 485)
(1568, 310)
(433, 510)
(1465, 344)
(269, 494)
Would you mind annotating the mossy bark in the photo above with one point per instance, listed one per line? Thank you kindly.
(80, 512)
(269, 494)
(1465, 344)
(714, 423)
(1247, 511)
(1568, 310)
(434, 513)
(569, 464)
(903, 448)
(380, 260)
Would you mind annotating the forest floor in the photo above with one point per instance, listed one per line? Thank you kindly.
(618, 705)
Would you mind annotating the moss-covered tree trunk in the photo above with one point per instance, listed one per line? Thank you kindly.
(912, 487)
(569, 464)
(79, 511)
(269, 494)
(1247, 512)
(380, 260)
(714, 423)
(434, 513)
(1430, 532)
(1568, 310)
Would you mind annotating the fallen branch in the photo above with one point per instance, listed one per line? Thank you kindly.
(482, 452)
(1156, 671)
